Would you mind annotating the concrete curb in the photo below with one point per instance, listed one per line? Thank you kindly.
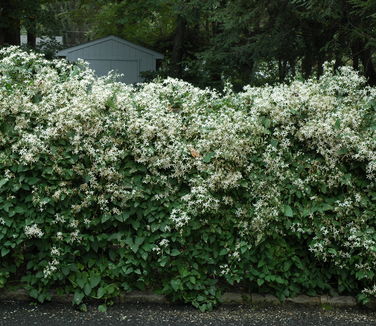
(239, 298)
(228, 298)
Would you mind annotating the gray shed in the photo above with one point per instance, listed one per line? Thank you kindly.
(114, 53)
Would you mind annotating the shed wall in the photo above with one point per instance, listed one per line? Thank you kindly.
(112, 55)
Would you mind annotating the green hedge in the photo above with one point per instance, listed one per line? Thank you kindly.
(107, 188)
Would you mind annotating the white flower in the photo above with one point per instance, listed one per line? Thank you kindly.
(164, 243)
(33, 231)
(55, 251)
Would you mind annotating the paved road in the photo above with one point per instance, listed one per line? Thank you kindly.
(26, 314)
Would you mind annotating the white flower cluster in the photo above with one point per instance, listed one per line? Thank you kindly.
(309, 146)
(33, 231)
(50, 268)
(163, 244)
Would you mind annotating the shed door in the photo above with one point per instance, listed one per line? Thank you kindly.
(101, 67)
(129, 68)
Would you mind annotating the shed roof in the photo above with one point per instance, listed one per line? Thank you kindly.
(65, 52)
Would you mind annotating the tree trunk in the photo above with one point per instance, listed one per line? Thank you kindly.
(292, 67)
(355, 51)
(246, 71)
(338, 62)
(2, 40)
(12, 33)
(282, 70)
(178, 46)
(319, 69)
(31, 40)
(369, 69)
(307, 64)
(31, 34)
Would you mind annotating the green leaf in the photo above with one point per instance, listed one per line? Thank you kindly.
(148, 247)
(267, 123)
(135, 224)
(139, 240)
(144, 255)
(192, 279)
(175, 284)
(87, 289)
(4, 251)
(45, 200)
(163, 261)
(83, 307)
(37, 98)
(175, 252)
(134, 247)
(77, 298)
(19, 209)
(102, 308)
(223, 252)
(332, 251)
(34, 293)
(101, 292)
(81, 282)
(127, 270)
(207, 157)
(288, 211)
(94, 280)
(279, 280)
(105, 218)
(32, 180)
(343, 151)
(3, 182)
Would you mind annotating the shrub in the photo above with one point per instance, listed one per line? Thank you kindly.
(107, 187)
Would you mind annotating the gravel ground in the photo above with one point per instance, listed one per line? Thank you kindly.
(53, 314)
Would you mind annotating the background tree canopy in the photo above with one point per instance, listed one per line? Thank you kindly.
(205, 42)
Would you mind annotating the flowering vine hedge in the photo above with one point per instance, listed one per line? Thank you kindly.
(106, 187)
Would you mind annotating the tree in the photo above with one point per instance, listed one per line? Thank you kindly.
(32, 15)
(10, 17)
(204, 42)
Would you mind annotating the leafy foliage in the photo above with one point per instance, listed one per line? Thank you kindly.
(208, 41)
(108, 187)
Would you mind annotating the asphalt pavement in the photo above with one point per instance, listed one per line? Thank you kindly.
(54, 314)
